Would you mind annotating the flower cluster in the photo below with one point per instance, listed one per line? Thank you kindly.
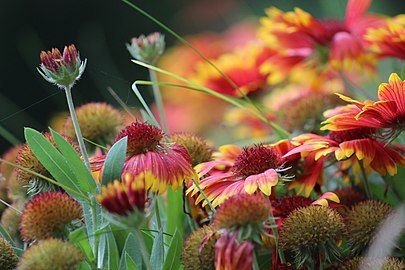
(303, 172)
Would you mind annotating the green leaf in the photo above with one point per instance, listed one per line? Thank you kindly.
(115, 161)
(112, 251)
(53, 161)
(101, 251)
(108, 255)
(174, 211)
(83, 175)
(157, 256)
(173, 254)
(131, 249)
(129, 263)
(80, 239)
(93, 219)
(6, 235)
(84, 266)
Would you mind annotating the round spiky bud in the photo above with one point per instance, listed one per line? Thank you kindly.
(48, 215)
(8, 258)
(304, 113)
(199, 249)
(362, 221)
(198, 148)
(61, 69)
(51, 254)
(386, 264)
(310, 231)
(99, 122)
(243, 212)
(142, 137)
(147, 48)
(15, 189)
(11, 218)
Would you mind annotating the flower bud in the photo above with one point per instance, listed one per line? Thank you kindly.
(62, 69)
(147, 48)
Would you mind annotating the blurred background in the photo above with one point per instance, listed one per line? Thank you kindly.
(100, 29)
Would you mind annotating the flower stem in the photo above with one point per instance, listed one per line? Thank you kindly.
(157, 213)
(159, 101)
(79, 136)
(204, 195)
(276, 237)
(365, 180)
(144, 251)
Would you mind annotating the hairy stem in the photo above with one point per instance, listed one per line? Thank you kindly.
(157, 213)
(159, 101)
(276, 237)
(79, 136)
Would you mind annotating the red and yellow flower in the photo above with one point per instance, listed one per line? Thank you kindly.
(389, 39)
(235, 170)
(350, 146)
(125, 196)
(302, 40)
(159, 164)
(242, 67)
(386, 113)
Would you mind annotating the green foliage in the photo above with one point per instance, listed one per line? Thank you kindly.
(115, 161)
(173, 254)
(158, 251)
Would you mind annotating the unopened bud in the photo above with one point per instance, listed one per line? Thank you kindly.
(147, 48)
(61, 69)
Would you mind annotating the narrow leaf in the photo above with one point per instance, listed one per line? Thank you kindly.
(174, 211)
(79, 238)
(52, 160)
(115, 161)
(157, 256)
(83, 175)
(132, 249)
(173, 254)
(6, 235)
(129, 263)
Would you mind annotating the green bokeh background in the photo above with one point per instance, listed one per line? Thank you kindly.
(100, 28)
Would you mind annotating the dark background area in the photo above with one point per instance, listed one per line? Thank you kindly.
(100, 29)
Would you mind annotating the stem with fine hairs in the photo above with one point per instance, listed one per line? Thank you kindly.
(73, 116)
(159, 101)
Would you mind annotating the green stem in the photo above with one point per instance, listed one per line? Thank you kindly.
(8, 136)
(276, 237)
(203, 194)
(365, 180)
(157, 213)
(159, 101)
(144, 251)
(188, 44)
(79, 136)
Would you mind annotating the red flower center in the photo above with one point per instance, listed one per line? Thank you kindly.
(255, 160)
(349, 135)
(142, 137)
